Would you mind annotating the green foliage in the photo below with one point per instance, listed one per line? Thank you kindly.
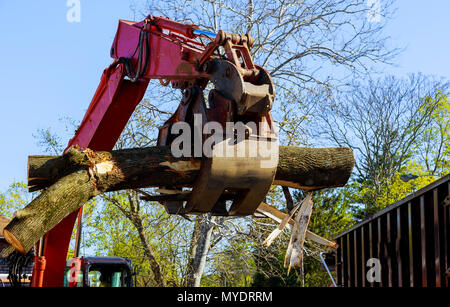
(433, 145)
(232, 264)
(271, 272)
(315, 275)
(394, 188)
(13, 199)
(428, 158)
(331, 212)
(110, 232)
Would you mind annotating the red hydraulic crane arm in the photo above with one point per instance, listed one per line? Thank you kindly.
(141, 51)
(156, 48)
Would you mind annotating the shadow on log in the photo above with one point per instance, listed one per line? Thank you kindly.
(74, 178)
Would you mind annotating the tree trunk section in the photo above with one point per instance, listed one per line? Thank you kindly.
(192, 251)
(300, 168)
(197, 265)
(314, 168)
(48, 209)
(154, 265)
(71, 180)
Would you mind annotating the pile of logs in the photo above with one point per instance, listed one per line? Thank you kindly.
(69, 181)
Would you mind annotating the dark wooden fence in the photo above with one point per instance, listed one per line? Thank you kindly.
(409, 240)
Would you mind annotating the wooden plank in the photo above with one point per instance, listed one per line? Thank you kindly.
(343, 246)
(423, 241)
(284, 222)
(389, 238)
(278, 216)
(339, 265)
(410, 246)
(437, 250)
(294, 254)
(363, 258)
(349, 272)
(370, 246)
(380, 250)
(399, 248)
(355, 252)
(446, 237)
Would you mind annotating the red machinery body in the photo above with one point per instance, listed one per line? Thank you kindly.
(156, 48)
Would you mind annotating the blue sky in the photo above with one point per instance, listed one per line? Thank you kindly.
(50, 68)
(423, 27)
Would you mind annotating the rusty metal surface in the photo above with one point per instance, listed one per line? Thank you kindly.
(410, 239)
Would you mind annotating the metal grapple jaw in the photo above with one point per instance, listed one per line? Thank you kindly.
(239, 148)
(235, 183)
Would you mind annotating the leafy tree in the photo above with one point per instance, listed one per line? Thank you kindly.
(13, 199)
(231, 264)
(154, 241)
(385, 122)
(433, 146)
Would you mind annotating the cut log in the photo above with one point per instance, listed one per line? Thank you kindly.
(71, 180)
(300, 168)
(48, 209)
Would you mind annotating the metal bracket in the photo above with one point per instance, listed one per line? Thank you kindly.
(250, 98)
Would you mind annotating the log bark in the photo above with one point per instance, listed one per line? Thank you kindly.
(48, 209)
(71, 180)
